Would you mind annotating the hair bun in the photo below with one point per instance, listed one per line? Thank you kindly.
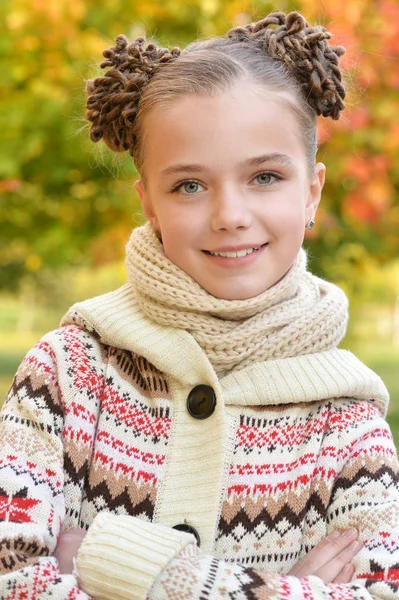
(306, 52)
(112, 100)
(295, 22)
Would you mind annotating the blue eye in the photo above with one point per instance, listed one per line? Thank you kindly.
(187, 187)
(190, 187)
(265, 178)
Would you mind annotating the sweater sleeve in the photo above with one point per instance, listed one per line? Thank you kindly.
(32, 507)
(123, 557)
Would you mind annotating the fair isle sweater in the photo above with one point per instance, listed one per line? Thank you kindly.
(96, 434)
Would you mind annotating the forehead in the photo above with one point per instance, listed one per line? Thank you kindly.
(221, 130)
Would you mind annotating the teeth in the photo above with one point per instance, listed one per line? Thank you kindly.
(235, 254)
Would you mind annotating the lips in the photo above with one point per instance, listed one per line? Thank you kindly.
(236, 262)
(235, 252)
(236, 248)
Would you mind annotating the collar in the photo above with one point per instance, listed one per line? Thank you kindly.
(117, 320)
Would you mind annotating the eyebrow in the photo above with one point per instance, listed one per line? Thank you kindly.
(275, 157)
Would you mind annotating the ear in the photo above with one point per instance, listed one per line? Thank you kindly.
(146, 204)
(315, 188)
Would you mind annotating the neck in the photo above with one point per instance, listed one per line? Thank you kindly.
(277, 323)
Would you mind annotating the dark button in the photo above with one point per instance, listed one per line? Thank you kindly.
(188, 529)
(201, 402)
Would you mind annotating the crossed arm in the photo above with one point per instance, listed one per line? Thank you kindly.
(330, 560)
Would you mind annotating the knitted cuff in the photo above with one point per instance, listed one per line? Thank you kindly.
(121, 556)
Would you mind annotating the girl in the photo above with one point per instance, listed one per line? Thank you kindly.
(199, 426)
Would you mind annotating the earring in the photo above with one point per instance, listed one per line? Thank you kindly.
(310, 225)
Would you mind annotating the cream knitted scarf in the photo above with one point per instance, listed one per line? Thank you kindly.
(301, 314)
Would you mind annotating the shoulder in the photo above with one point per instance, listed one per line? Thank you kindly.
(351, 422)
(351, 411)
(65, 357)
(66, 341)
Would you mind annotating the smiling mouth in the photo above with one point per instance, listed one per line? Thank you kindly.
(236, 254)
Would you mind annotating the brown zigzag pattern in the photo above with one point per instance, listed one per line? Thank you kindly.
(273, 503)
(75, 474)
(254, 586)
(18, 552)
(139, 370)
(41, 393)
(345, 483)
(102, 499)
(286, 513)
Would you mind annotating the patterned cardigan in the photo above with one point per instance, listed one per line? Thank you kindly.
(97, 433)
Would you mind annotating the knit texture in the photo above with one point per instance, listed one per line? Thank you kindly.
(301, 314)
(295, 449)
(138, 565)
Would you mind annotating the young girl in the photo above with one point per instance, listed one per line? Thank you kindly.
(196, 433)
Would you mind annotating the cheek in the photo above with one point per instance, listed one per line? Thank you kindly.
(170, 248)
(180, 223)
(178, 233)
(293, 205)
(287, 217)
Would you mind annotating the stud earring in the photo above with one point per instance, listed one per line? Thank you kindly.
(310, 225)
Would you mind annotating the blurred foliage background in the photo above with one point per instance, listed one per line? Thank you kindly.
(67, 207)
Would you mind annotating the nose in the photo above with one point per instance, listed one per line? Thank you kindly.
(230, 210)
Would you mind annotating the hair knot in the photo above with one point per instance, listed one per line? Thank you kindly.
(113, 99)
(306, 53)
(310, 63)
(295, 22)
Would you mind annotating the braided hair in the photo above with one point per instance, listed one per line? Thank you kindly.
(307, 54)
(280, 51)
(113, 99)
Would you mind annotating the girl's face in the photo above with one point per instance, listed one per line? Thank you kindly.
(228, 174)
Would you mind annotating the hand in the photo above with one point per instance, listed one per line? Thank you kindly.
(331, 558)
(67, 549)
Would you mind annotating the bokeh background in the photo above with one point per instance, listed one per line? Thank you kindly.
(67, 206)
